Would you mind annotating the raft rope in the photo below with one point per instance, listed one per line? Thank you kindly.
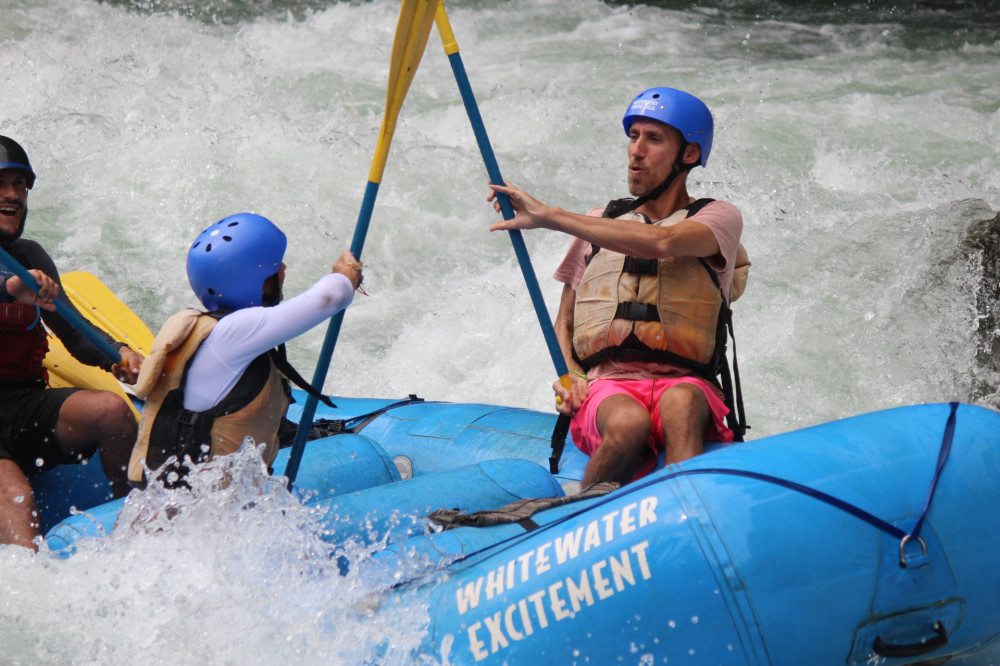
(519, 512)
(875, 521)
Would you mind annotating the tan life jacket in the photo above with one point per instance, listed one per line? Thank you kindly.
(254, 407)
(649, 310)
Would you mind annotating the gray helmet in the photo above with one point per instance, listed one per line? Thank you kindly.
(12, 156)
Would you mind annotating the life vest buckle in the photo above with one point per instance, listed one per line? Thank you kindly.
(187, 418)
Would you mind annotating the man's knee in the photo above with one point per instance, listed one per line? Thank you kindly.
(622, 419)
(13, 482)
(97, 414)
(108, 403)
(685, 401)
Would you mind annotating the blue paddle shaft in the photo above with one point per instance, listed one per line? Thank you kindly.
(361, 232)
(520, 250)
(329, 343)
(62, 309)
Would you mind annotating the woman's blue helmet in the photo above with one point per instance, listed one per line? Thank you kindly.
(229, 262)
(682, 111)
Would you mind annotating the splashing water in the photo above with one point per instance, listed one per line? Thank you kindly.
(860, 141)
(236, 547)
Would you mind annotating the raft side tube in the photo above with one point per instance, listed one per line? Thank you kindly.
(623, 575)
(338, 465)
(728, 568)
(398, 510)
(97, 521)
(331, 465)
(436, 435)
(60, 489)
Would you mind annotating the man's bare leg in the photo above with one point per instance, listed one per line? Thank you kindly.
(624, 426)
(102, 417)
(18, 513)
(684, 414)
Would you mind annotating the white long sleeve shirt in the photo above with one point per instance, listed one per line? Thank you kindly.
(244, 335)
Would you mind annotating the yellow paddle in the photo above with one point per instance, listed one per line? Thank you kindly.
(101, 307)
(104, 309)
(412, 30)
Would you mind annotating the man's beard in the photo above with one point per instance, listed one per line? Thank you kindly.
(639, 189)
(7, 237)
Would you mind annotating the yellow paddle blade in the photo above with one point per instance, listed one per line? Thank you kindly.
(66, 371)
(412, 30)
(105, 310)
(101, 307)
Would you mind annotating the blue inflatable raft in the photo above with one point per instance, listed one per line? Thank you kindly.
(865, 540)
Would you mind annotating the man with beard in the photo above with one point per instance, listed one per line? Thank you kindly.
(41, 427)
(645, 303)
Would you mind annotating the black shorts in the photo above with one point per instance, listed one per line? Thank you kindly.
(28, 416)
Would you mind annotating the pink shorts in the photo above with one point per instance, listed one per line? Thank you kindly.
(647, 393)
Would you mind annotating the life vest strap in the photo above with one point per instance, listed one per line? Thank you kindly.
(637, 311)
(641, 266)
(280, 358)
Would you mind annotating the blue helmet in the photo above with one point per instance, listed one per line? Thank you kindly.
(229, 262)
(12, 156)
(682, 111)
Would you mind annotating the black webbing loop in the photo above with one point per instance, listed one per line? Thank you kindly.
(559, 433)
(857, 512)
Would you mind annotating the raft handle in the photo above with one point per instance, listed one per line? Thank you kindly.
(913, 649)
(902, 547)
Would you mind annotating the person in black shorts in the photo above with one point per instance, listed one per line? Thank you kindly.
(41, 427)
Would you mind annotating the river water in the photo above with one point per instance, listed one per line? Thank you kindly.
(861, 140)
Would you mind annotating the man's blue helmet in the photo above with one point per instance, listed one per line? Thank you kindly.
(12, 156)
(229, 262)
(682, 111)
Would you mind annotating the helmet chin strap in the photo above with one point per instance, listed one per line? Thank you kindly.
(677, 169)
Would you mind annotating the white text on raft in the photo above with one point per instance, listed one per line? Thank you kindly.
(565, 597)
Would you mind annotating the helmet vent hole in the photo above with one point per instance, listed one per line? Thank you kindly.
(656, 96)
(227, 238)
(211, 291)
(197, 243)
(233, 224)
(208, 248)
